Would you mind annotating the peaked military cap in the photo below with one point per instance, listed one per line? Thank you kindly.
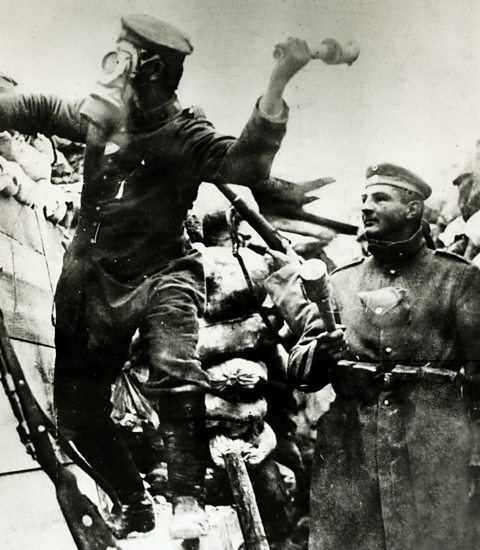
(150, 33)
(396, 176)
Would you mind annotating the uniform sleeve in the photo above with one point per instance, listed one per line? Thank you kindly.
(217, 158)
(468, 332)
(49, 115)
(307, 369)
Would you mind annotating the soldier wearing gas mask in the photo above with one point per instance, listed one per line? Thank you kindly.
(131, 264)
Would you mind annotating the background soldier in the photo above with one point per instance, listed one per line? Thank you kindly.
(131, 264)
(391, 465)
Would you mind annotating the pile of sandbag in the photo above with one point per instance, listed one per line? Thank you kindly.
(28, 168)
(251, 407)
(237, 420)
(235, 342)
(238, 336)
(233, 331)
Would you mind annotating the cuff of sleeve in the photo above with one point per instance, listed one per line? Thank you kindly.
(276, 283)
(280, 118)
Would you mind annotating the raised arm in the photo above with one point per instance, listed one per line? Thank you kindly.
(292, 56)
(248, 159)
(49, 115)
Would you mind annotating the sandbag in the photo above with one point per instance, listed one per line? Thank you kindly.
(454, 229)
(42, 194)
(211, 207)
(255, 448)
(238, 379)
(34, 163)
(223, 340)
(233, 418)
(472, 228)
(8, 185)
(228, 293)
(43, 145)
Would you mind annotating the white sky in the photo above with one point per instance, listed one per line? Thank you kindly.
(413, 96)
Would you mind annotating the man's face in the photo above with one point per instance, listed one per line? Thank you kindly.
(384, 213)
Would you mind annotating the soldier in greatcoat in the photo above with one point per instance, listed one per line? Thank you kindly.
(397, 459)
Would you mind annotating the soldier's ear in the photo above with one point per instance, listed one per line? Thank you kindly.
(414, 209)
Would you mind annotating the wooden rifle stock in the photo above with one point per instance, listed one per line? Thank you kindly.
(255, 219)
(313, 272)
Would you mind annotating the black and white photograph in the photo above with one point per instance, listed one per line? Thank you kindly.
(240, 275)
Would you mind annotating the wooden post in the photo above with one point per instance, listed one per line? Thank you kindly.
(246, 505)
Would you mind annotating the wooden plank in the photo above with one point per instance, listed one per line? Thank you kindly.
(52, 247)
(224, 532)
(13, 456)
(246, 504)
(27, 282)
(31, 519)
(37, 363)
(19, 222)
(27, 309)
(30, 515)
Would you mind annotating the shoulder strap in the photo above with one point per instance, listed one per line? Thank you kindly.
(358, 261)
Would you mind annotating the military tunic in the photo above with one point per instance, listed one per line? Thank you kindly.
(131, 226)
(130, 263)
(391, 464)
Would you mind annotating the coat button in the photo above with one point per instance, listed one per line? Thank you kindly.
(386, 402)
(388, 350)
(97, 208)
(392, 272)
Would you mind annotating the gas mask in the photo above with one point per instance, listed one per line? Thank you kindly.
(123, 69)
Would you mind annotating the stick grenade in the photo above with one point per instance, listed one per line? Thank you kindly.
(245, 503)
(330, 51)
(315, 281)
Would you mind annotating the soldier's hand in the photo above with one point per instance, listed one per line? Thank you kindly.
(276, 260)
(291, 55)
(332, 345)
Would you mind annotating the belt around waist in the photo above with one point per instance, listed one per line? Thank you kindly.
(403, 372)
